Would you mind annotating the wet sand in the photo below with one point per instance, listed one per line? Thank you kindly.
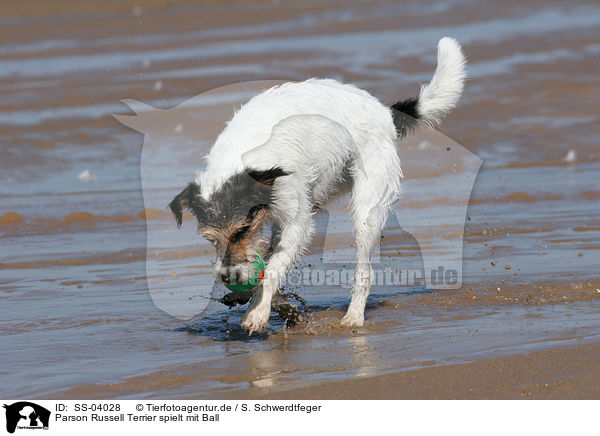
(77, 318)
(559, 374)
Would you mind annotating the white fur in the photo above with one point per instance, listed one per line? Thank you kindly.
(318, 131)
(359, 112)
(441, 94)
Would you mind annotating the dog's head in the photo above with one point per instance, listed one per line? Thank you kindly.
(232, 219)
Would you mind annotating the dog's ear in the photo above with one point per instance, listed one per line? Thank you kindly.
(267, 177)
(184, 200)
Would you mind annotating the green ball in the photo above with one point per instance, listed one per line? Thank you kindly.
(255, 278)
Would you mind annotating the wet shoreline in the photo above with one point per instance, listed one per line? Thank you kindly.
(78, 320)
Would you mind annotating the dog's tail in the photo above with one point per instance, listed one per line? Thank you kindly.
(439, 96)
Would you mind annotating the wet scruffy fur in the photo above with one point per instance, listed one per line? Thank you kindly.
(288, 151)
(234, 227)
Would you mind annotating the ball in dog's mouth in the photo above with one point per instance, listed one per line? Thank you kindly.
(255, 277)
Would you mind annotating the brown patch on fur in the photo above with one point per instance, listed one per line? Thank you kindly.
(229, 243)
(237, 252)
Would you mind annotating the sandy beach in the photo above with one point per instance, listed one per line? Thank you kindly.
(88, 281)
(571, 373)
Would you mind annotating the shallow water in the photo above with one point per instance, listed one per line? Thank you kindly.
(77, 317)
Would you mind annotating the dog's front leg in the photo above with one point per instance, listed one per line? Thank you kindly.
(259, 310)
(294, 239)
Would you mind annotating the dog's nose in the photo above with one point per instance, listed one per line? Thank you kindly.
(231, 276)
(225, 277)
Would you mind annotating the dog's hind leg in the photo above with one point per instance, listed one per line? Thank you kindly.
(367, 235)
(376, 187)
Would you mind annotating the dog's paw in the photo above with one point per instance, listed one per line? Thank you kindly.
(256, 319)
(353, 319)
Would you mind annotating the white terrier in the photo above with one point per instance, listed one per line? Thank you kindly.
(290, 149)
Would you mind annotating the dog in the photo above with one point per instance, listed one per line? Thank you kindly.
(288, 151)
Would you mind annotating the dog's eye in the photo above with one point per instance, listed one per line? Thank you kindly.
(213, 242)
(239, 234)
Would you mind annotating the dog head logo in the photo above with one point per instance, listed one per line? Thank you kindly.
(180, 267)
(26, 415)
